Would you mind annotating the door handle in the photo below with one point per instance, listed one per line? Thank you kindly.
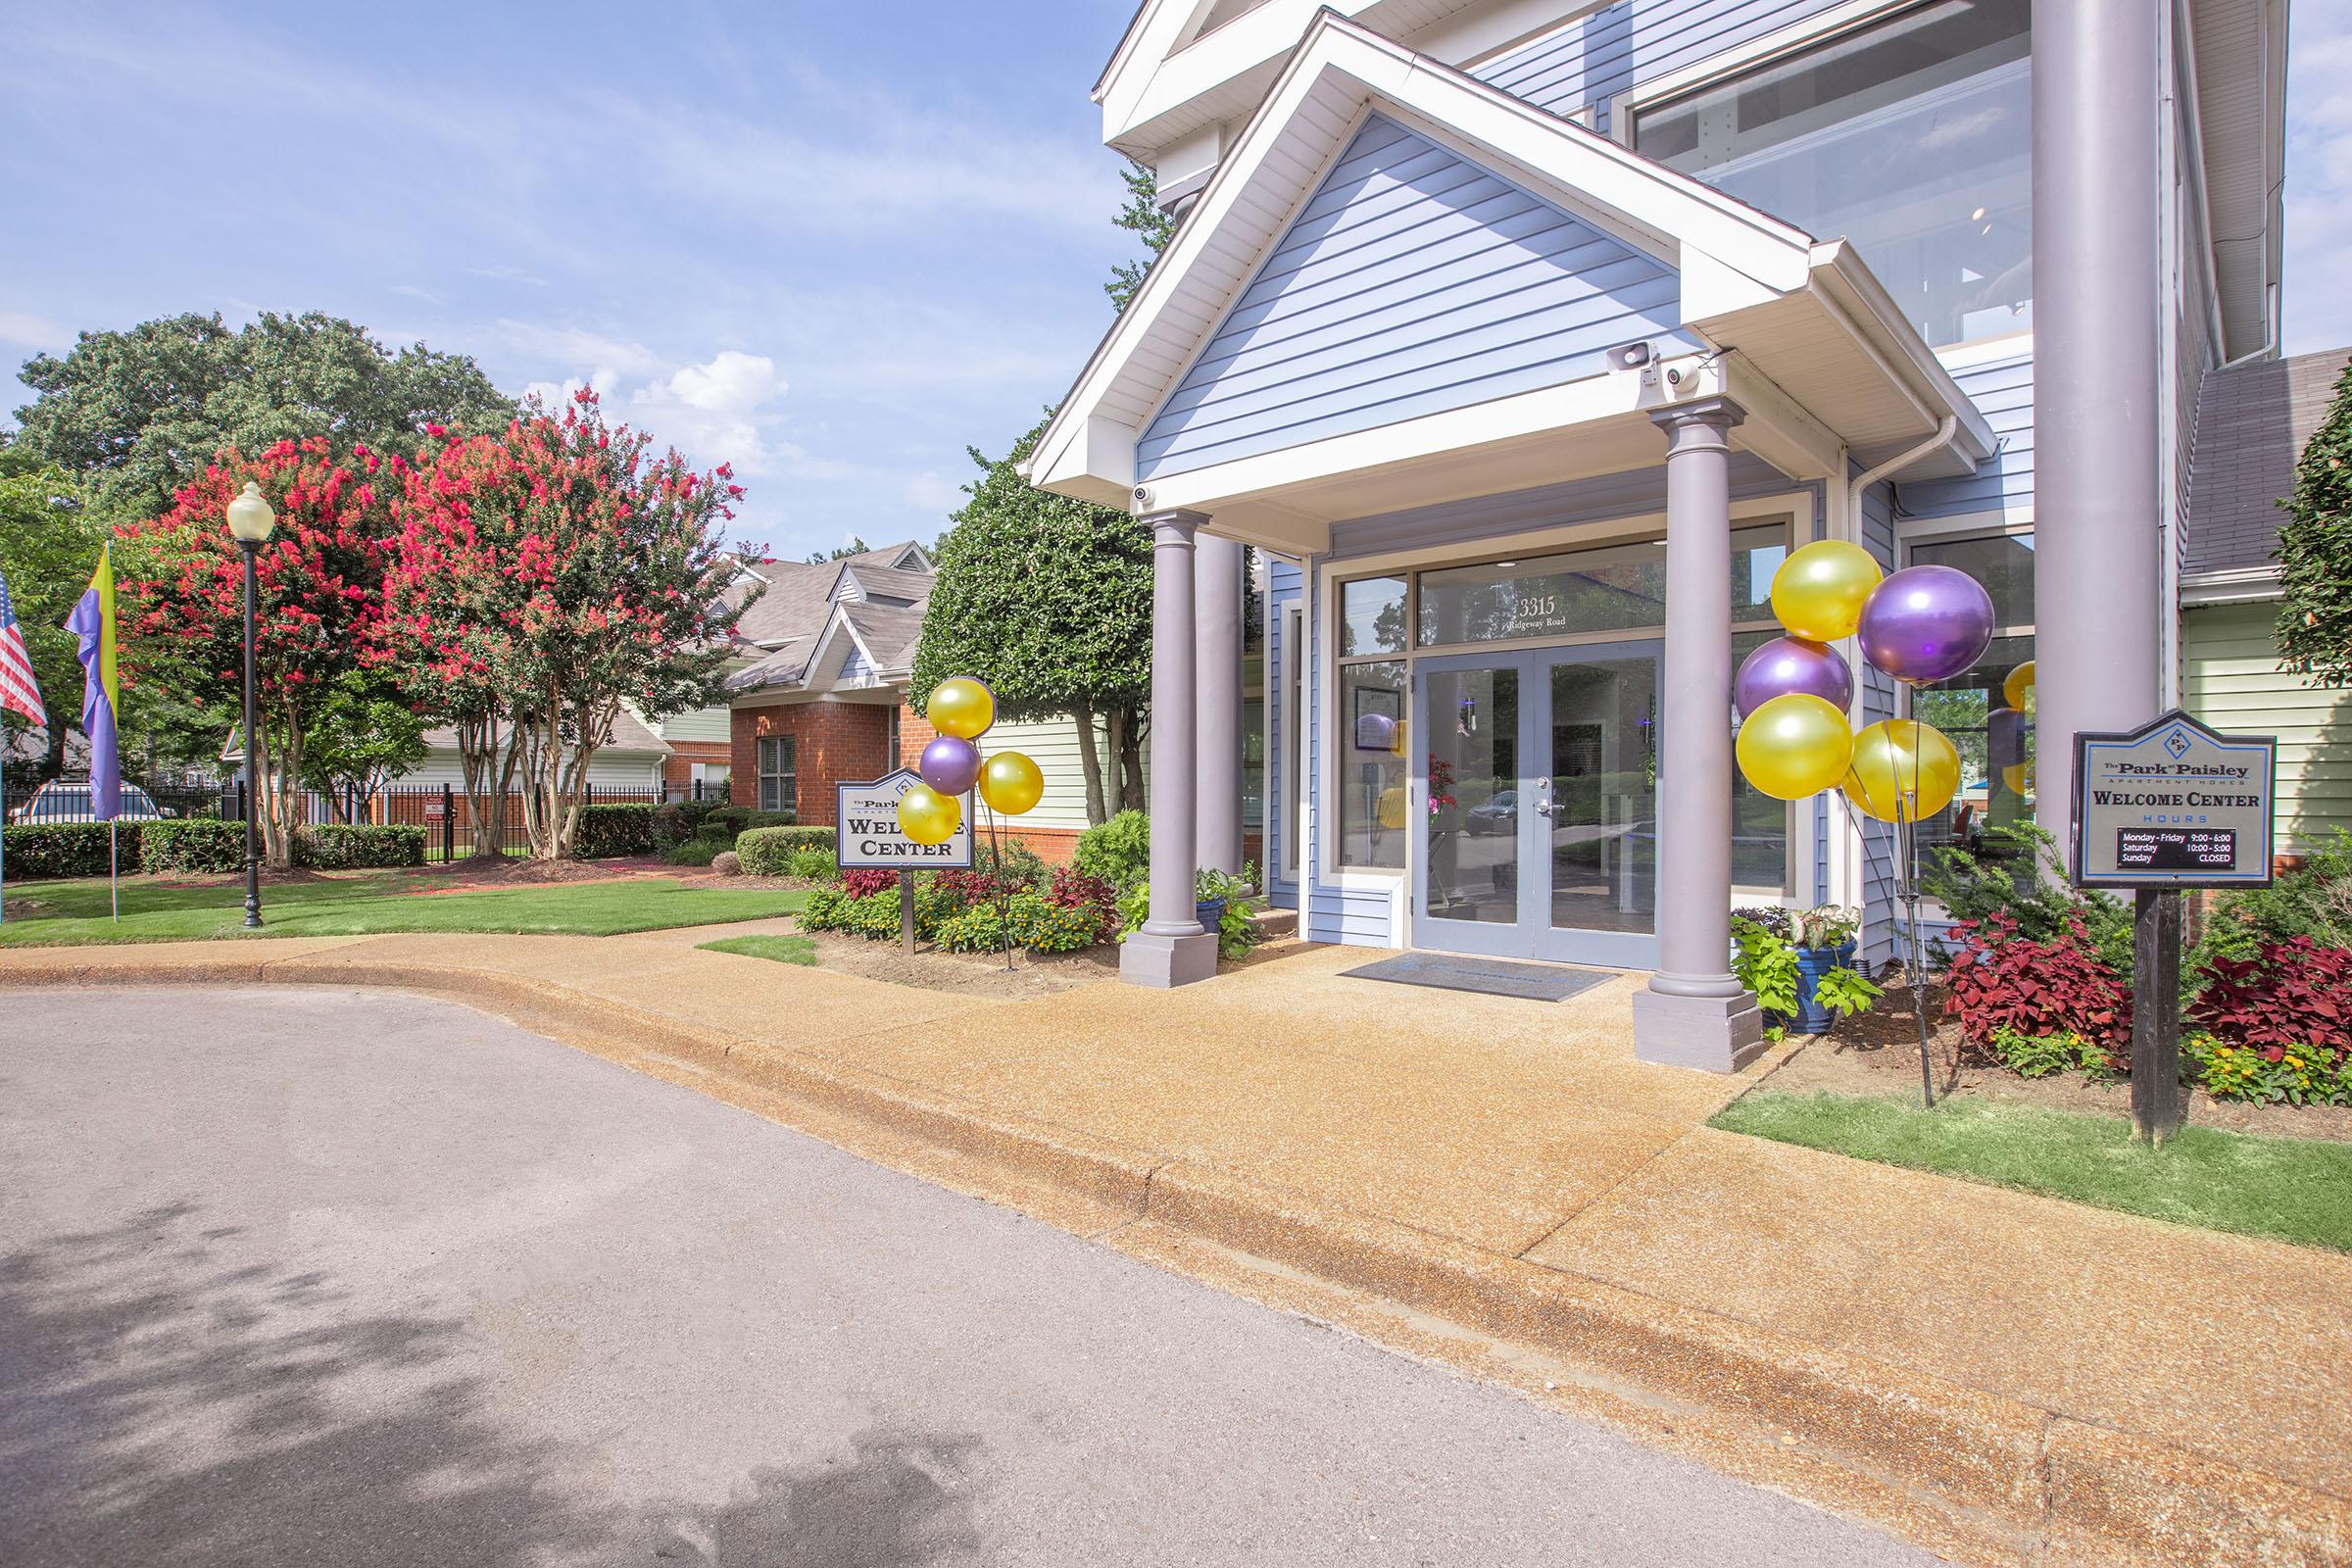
(1543, 806)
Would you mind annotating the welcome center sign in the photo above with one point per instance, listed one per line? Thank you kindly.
(870, 838)
(2174, 804)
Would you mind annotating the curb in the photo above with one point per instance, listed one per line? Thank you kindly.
(1999, 1477)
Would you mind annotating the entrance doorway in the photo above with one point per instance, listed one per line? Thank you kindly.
(1536, 804)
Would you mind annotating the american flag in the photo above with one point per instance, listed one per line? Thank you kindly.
(16, 688)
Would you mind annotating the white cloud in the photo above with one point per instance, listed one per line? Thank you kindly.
(2319, 183)
(34, 331)
(928, 492)
(506, 272)
(411, 291)
(718, 411)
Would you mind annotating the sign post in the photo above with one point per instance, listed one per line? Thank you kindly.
(2167, 807)
(868, 837)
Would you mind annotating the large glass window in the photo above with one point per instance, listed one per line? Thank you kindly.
(777, 789)
(1995, 740)
(1910, 138)
(1614, 588)
(1371, 741)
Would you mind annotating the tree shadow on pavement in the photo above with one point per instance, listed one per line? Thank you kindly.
(160, 1406)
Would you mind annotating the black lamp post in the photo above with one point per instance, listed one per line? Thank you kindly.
(250, 519)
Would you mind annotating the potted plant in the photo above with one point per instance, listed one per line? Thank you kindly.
(1824, 939)
(1212, 890)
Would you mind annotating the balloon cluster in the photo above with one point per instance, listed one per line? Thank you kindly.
(1921, 625)
(961, 710)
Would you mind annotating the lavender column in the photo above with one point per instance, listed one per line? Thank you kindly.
(1171, 949)
(1693, 1013)
(1217, 669)
(2096, 486)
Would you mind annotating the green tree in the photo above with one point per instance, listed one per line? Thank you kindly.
(2315, 553)
(361, 738)
(1048, 600)
(1142, 217)
(49, 541)
(138, 414)
(856, 546)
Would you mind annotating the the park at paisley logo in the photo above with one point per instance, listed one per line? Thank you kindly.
(2176, 743)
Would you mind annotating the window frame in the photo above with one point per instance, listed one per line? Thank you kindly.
(788, 748)
(1798, 512)
(1783, 44)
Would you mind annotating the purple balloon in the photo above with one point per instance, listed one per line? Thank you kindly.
(949, 765)
(1927, 623)
(1788, 664)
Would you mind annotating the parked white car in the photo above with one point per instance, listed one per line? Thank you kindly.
(59, 802)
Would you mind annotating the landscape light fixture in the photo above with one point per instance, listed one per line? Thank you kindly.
(250, 522)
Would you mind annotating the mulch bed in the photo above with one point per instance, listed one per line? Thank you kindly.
(1877, 1054)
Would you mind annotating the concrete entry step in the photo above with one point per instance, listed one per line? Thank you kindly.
(1491, 977)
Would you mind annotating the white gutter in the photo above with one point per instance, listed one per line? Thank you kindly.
(1945, 428)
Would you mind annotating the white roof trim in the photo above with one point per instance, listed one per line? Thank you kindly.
(1731, 256)
(2229, 585)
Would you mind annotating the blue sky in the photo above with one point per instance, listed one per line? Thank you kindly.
(831, 243)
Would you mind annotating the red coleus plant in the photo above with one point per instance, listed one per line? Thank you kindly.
(1089, 895)
(865, 884)
(2000, 980)
(2292, 992)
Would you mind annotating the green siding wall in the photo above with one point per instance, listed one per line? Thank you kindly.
(2234, 682)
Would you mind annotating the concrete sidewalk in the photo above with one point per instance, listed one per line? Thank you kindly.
(1499, 1184)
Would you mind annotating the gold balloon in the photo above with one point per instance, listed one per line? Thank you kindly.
(1898, 758)
(961, 707)
(927, 816)
(1820, 589)
(2018, 776)
(1793, 746)
(1011, 783)
(1392, 807)
(2019, 686)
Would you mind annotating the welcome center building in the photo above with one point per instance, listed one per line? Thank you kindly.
(1526, 337)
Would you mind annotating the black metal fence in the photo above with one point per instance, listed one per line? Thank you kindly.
(441, 809)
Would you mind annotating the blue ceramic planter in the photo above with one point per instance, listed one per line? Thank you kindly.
(1210, 912)
(1811, 965)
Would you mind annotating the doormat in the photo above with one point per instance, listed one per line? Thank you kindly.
(1489, 977)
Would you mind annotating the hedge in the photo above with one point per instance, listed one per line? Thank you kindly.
(768, 851)
(608, 830)
(68, 849)
(194, 843)
(725, 823)
(351, 846)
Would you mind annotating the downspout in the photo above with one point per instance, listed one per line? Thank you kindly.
(1945, 428)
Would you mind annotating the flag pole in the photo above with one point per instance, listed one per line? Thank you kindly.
(114, 872)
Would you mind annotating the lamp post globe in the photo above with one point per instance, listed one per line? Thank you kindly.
(250, 522)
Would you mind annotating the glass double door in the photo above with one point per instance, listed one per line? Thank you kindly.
(1536, 804)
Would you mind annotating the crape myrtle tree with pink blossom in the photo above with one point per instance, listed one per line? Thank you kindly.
(319, 595)
(540, 576)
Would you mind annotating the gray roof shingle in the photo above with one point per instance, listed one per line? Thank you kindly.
(2252, 421)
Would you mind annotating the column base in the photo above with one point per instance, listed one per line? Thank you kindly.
(1714, 1034)
(1147, 959)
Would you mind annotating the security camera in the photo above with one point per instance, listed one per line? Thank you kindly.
(1682, 380)
(1142, 495)
(1633, 356)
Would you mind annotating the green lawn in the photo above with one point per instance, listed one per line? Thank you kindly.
(783, 950)
(367, 904)
(2291, 1189)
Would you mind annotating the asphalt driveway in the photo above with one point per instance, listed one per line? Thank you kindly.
(300, 1275)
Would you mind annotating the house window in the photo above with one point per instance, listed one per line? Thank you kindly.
(777, 791)
(890, 759)
(1995, 742)
(1909, 137)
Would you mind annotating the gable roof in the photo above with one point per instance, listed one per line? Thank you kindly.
(798, 598)
(1806, 316)
(2252, 422)
(809, 634)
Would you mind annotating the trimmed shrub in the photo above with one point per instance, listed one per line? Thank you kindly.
(1119, 850)
(726, 862)
(812, 862)
(74, 849)
(696, 852)
(353, 845)
(193, 845)
(623, 828)
(775, 851)
(673, 827)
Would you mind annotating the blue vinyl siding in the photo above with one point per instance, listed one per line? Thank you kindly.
(2003, 392)
(1412, 282)
(1285, 586)
(855, 667)
(1594, 58)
